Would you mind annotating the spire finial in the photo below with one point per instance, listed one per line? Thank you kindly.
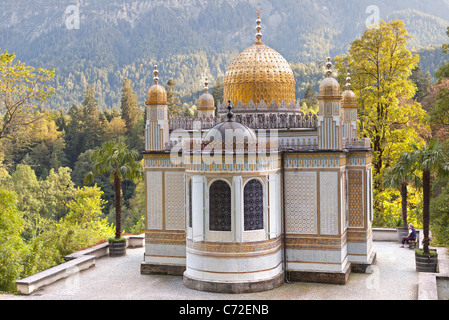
(156, 74)
(258, 28)
(230, 114)
(348, 81)
(329, 67)
(206, 84)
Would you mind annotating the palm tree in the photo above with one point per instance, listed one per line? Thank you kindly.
(122, 164)
(430, 159)
(399, 177)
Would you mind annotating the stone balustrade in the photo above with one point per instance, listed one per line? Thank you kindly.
(261, 107)
(253, 121)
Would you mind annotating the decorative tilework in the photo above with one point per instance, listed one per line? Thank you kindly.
(355, 197)
(154, 200)
(175, 201)
(293, 161)
(261, 163)
(356, 160)
(329, 203)
(161, 161)
(301, 202)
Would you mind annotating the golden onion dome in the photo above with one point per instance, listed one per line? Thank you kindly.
(259, 73)
(329, 87)
(206, 100)
(349, 98)
(157, 95)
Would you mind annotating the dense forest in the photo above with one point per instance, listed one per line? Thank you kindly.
(63, 96)
(190, 40)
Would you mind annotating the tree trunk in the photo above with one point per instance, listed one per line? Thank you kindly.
(404, 205)
(118, 206)
(426, 209)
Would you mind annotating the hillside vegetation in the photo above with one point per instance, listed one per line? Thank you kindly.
(191, 39)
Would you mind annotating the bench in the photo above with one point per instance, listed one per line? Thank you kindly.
(412, 244)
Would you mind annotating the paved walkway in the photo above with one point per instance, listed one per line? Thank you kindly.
(392, 278)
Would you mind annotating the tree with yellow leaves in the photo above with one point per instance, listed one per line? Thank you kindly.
(380, 65)
(22, 90)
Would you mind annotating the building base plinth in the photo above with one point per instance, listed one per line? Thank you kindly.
(162, 269)
(234, 287)
(320, 277)
(363, 267)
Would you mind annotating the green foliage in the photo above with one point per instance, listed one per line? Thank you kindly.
(12, 246)
(113, 239)
(422, 252)
(439, 211)
(439, 111)
(84, 224)
(130, 106)
(423, 83)
(83, 166)
(41, 221)
(432, 161)
(134, 214)
(116, 159)
(443, 70)
(174, 103)
(389, 213)
(380, 65)
(22, 90)
(122, 164)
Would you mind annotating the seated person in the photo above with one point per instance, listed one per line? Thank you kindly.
(411, 235)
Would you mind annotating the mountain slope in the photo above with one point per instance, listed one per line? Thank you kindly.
(189, 39)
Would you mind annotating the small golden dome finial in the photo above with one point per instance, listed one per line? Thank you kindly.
(329, 67)
(348, 81)
(206, 85)
(258, 28)
(156, 94)
(156, 74)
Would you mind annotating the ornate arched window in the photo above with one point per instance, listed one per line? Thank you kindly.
(220, 206)
(253, 205)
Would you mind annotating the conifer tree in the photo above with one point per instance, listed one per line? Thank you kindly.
(174, 103)
(129, 105)
(93, 131)
(217, 91)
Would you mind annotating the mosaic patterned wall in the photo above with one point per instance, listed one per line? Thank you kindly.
(175, 201)
(301, 202)
(329, 203)
(154, 200)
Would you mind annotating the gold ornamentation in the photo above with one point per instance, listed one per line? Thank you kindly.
(304, 242)
(165, 237)
(235, 250)
(156, 94)
(259, 73)
(329, 87)
(349, 99)
(206, 100)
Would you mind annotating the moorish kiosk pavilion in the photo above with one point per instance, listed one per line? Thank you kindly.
(255, 193)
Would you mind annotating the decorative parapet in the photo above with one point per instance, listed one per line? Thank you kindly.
(300, 161)
(188, 145)
(251, 107)
(356, 144)
(253, 121)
